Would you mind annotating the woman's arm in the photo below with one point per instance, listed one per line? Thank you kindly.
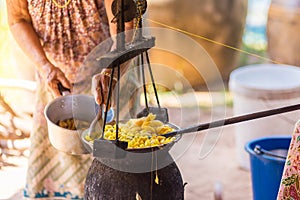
(22, 30)
(100, 81)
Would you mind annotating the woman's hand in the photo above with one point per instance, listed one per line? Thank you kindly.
(20, 22)
(100, 87)
(53, 76)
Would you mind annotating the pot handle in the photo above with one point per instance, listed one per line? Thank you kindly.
(63, 90)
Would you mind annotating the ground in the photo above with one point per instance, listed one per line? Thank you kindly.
(207, 160)
(217, 167)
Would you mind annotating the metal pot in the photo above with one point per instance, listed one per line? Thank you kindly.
(79, 106)
(138, 160)
(90, 145)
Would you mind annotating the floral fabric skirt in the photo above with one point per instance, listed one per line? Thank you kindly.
(290, 181)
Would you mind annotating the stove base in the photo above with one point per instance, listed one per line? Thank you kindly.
(105, 183)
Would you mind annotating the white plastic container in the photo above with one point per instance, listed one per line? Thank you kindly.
(261, 87)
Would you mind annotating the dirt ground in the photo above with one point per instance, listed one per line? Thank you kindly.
(211, 162)
(207, 161)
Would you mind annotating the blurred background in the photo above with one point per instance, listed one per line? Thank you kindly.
(234, 33)
(239, 24)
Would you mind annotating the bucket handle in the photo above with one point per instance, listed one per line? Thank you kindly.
(258, 150)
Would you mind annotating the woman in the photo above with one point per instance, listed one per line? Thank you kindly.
(57, 36)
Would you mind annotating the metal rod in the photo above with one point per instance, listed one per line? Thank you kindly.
(108, 97)
(233, 120)
(118, 104)
(140, 30)
(144, 80)
(120, 26)
(152, 79)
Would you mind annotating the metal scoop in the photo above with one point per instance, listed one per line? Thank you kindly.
(96, 127)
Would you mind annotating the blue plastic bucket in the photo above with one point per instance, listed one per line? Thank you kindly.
(266, 168)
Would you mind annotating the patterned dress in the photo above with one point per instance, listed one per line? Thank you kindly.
(290, 182)
(67, 34)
